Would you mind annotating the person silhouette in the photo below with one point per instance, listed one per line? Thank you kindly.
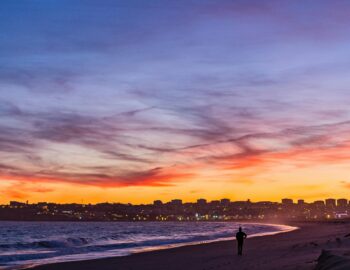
(240, 236)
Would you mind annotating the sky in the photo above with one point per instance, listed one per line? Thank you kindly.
(132, 101)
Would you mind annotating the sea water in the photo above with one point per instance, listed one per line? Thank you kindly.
(24, 244)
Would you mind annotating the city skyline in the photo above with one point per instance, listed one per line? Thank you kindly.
(327, 201)
(138, 100)
(177, 210)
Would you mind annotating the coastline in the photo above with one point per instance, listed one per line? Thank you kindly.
(123, 262)
(297, 249)
(287, 229)
(183, 234)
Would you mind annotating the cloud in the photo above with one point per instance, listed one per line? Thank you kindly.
(110, 100)
(207, 137)
(37, 80)
(215, 142)
(103, 177)
(23, 189)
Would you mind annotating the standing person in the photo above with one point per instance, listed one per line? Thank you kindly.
(240, 236)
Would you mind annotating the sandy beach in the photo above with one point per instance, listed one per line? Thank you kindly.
(299, 249)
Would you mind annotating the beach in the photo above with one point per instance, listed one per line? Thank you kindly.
(297, 249)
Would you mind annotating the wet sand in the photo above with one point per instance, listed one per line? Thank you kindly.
(298, 249)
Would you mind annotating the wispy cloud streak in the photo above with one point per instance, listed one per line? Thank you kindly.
(165, 94)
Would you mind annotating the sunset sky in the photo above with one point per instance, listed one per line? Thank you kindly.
(131, 101)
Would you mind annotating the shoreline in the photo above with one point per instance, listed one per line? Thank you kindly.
(280, 229)
(271, 229)
(297, 249)
(262, 229)
(179, 245)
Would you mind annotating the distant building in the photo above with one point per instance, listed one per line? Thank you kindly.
(301, 202)
(265, 203)
(330, 203)
(240, 203)
(42, 204)
(319, 203)
(287, 202)
(176, 202)
(201, 201)
(158, 203)
(342, 203)
(16, 204)
(215, 202)
(341, 215)
(225, 201)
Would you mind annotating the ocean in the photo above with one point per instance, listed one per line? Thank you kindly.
(24, 244)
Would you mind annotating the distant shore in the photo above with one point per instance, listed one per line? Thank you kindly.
(297, 249)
